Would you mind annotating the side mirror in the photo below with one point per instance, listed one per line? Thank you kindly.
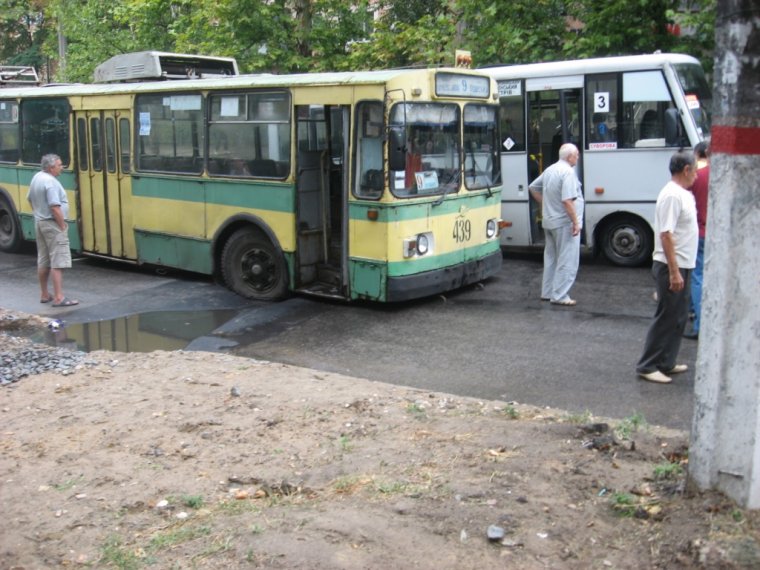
(396, 148)
(672, 127)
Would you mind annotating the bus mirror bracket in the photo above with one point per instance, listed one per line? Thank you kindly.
(672, 127)
(396, 148)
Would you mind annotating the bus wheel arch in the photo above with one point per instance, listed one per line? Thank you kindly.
(10, 225)
(625, 239)
(251, 262)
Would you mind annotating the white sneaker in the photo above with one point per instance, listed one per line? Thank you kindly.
(655, 376)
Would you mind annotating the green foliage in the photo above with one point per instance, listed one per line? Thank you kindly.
(114, 554)
(23, 28)
(624, 504)
(698, 19)
(518, 32)
(282, 36)
(667, 470)
(630, 425)
(620, 28)
(192, 501)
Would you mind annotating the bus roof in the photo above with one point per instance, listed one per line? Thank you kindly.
(584, 66)
(237, 82)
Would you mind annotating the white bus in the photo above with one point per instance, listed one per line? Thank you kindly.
(627, 115)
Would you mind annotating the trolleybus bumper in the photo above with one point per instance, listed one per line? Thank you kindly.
(446, 279)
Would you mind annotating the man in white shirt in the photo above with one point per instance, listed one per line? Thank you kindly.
(558, 190)
(676, 237)
(51, 208)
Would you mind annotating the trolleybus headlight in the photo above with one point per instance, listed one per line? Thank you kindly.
(423, 245)
(491, 228)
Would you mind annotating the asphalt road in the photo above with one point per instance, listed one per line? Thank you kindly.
(492, 341)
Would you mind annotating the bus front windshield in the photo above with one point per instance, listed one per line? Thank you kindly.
(432, 149)
(698, 95)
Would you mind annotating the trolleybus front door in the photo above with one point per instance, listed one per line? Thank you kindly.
(322, 203)
(102, 198)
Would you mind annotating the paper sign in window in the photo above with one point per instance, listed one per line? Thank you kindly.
(144, 124)
(230, 107)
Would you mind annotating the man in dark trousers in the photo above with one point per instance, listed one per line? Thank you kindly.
(676, 236)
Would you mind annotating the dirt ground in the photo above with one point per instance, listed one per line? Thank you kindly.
(201, 460)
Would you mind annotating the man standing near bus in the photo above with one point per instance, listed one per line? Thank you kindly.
(675, 254)
(558, 190)
(51, 207)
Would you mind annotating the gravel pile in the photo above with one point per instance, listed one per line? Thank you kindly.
(20, 357)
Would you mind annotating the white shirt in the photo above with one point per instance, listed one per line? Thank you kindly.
(676, 212)
(46, 191)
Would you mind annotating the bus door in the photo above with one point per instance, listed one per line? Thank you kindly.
(100, 185)
(322, 199)
(554, 118)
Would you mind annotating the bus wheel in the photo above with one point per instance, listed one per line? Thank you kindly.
(627, 242)
(253, 268)
(10, 230)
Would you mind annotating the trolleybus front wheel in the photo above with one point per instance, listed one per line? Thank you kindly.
(627, 242)
(10, 231)
(253, 268)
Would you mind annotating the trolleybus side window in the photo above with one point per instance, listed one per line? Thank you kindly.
(481, 154)
(249, 135)
(95, 137)
(512, 115)
(369, 150)
(170, 133)
(110, 145)
(44, 129)
(9, 140)
(84, 163)
(125, 145)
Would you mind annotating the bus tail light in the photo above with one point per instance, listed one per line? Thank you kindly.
(504, 224)
(419, 245)
(599, 190)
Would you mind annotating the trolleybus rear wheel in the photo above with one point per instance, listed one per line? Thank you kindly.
(627, 242)
(10, 231)
(253, 268)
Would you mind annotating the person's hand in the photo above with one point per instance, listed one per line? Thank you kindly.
(576, 229)
(676, 281)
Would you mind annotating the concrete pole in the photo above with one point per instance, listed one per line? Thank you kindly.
(725, 438)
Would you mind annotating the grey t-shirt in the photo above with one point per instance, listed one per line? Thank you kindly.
(557, 183)
(46, 191)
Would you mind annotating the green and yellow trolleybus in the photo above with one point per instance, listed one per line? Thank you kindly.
(380, 185)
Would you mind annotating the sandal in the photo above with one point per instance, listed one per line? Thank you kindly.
(66, 302)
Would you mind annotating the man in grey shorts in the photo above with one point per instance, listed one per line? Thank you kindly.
(51, 208)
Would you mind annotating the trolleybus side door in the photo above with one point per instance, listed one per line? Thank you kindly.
(100, 185)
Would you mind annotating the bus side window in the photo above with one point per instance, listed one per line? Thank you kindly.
(512, 116)
(602, 111)
(646, 98)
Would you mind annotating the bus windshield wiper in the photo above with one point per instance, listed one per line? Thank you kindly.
(451, 183)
